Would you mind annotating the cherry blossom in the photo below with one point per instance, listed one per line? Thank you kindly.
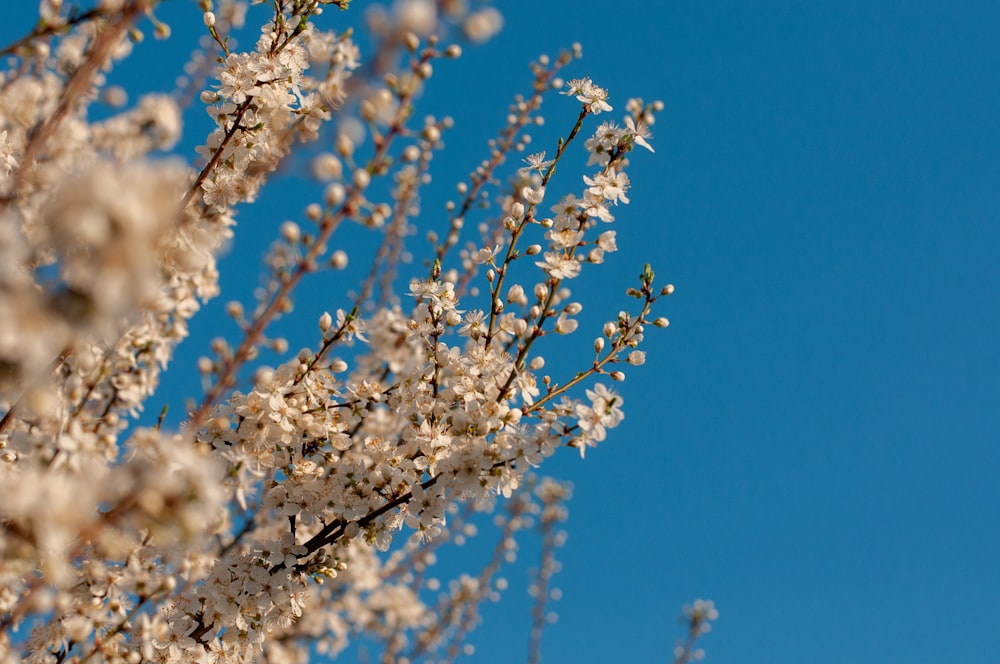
(297, 505)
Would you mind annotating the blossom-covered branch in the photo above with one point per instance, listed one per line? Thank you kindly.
(296, 507)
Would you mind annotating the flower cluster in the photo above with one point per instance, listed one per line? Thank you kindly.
(297, 506)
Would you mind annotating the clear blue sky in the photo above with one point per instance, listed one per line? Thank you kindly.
(813, 443)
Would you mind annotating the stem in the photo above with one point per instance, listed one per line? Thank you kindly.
(528, 218)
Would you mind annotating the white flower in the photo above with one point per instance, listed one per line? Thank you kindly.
(8, 161)
(593, 205)
(610, 186)
(559, 266)
(607, 405)
(536, 162)
(593, 97)
(237, 80)
(606, 241)
(565, 238)
(639, 133)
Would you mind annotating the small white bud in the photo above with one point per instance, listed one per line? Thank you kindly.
(326, 167)
(339, 259)
(115, 95)
(291, 232)
(432, 133)
(516, 294)
(325, 321)
(411, 153)
(334, 194)
(362, 178)
(344, 145)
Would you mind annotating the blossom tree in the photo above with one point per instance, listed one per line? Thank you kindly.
(298, 507)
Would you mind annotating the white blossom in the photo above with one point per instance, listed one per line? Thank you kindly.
(292, 507)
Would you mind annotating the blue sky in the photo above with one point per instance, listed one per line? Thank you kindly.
(813, 442)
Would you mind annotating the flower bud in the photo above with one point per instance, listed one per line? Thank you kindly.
(290, 232)
(432, 133)
(345, 146)
(362, 178)
(411, 153)
(338, 260)
(516, 294)
(327, 166)
(334, 194)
